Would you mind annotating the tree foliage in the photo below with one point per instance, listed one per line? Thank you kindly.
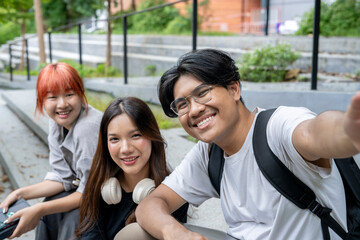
(11, 30)
(17, 11)
(156, 20)
(61, 12)
(341, 18)
(13, 10)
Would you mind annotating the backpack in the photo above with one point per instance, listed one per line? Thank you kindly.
(284, 181)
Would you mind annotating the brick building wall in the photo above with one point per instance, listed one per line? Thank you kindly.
(237, 16)
(229, 15)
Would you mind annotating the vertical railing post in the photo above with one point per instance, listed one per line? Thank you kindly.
(27, 60)
(194, 25)
(125, 49)
(316, 32)
(10, 63)
(50, 49)
(80, 48)
(267, 18)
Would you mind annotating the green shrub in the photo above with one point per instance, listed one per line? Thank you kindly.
(267, 64)
(102, 71)
(11, 30)
(33, 72)
(179, 25)
(8, 31)
(117, 24)
(341, 18)
(150, 70)
(87, 71)
(84, 71)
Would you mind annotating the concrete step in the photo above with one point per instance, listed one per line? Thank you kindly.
(336, 55)
(164, 57)
(23, 156)
(19, 82)
(339, 45)
(24, 107)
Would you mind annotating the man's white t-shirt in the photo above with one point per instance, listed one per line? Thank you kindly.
(252, 207)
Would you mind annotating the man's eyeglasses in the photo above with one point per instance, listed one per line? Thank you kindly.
(201, 94)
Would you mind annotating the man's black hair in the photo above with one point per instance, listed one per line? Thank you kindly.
(210, 66)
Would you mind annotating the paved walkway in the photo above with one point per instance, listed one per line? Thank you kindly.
(5, 185)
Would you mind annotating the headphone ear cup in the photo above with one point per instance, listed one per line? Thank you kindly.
(111, 191)
(142, 189)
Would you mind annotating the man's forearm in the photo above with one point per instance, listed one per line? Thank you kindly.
(323, 137)
(154, 216)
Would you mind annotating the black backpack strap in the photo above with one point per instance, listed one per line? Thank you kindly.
(350, 174)
(216, 165)
(349, 171)
(284, 181)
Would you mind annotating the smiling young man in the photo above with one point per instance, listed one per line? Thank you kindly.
(204, 91)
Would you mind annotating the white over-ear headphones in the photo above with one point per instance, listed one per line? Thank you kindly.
(111, 190)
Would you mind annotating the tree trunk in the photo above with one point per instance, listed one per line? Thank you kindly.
(22, 57)
(108, 36)
(133, 5)
(40, 30)
(121, 6)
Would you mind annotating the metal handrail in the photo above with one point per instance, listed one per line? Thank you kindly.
(316, 34)
(124, 16)
(70, 25)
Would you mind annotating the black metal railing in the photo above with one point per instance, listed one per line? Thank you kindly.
(124, 17)
(316, 32)
(26, 49)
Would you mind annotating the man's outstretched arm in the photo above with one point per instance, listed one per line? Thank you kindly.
(332, 134)
(154, 215)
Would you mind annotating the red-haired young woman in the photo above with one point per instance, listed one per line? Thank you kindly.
(73, 133)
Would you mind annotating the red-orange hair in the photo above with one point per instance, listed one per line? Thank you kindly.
(58, 77)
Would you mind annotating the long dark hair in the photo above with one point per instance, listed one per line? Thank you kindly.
(103, 166)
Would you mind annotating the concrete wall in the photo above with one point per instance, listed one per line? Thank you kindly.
(336, 55)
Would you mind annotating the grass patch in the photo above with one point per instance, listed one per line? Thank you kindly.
(164, 121)
(192, 139)
(101, 101)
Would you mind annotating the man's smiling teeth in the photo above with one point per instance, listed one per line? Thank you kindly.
(129, 159)
(205, 121)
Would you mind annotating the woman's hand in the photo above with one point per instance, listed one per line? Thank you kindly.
(45, 188)
(28, 219)
(10, 199)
